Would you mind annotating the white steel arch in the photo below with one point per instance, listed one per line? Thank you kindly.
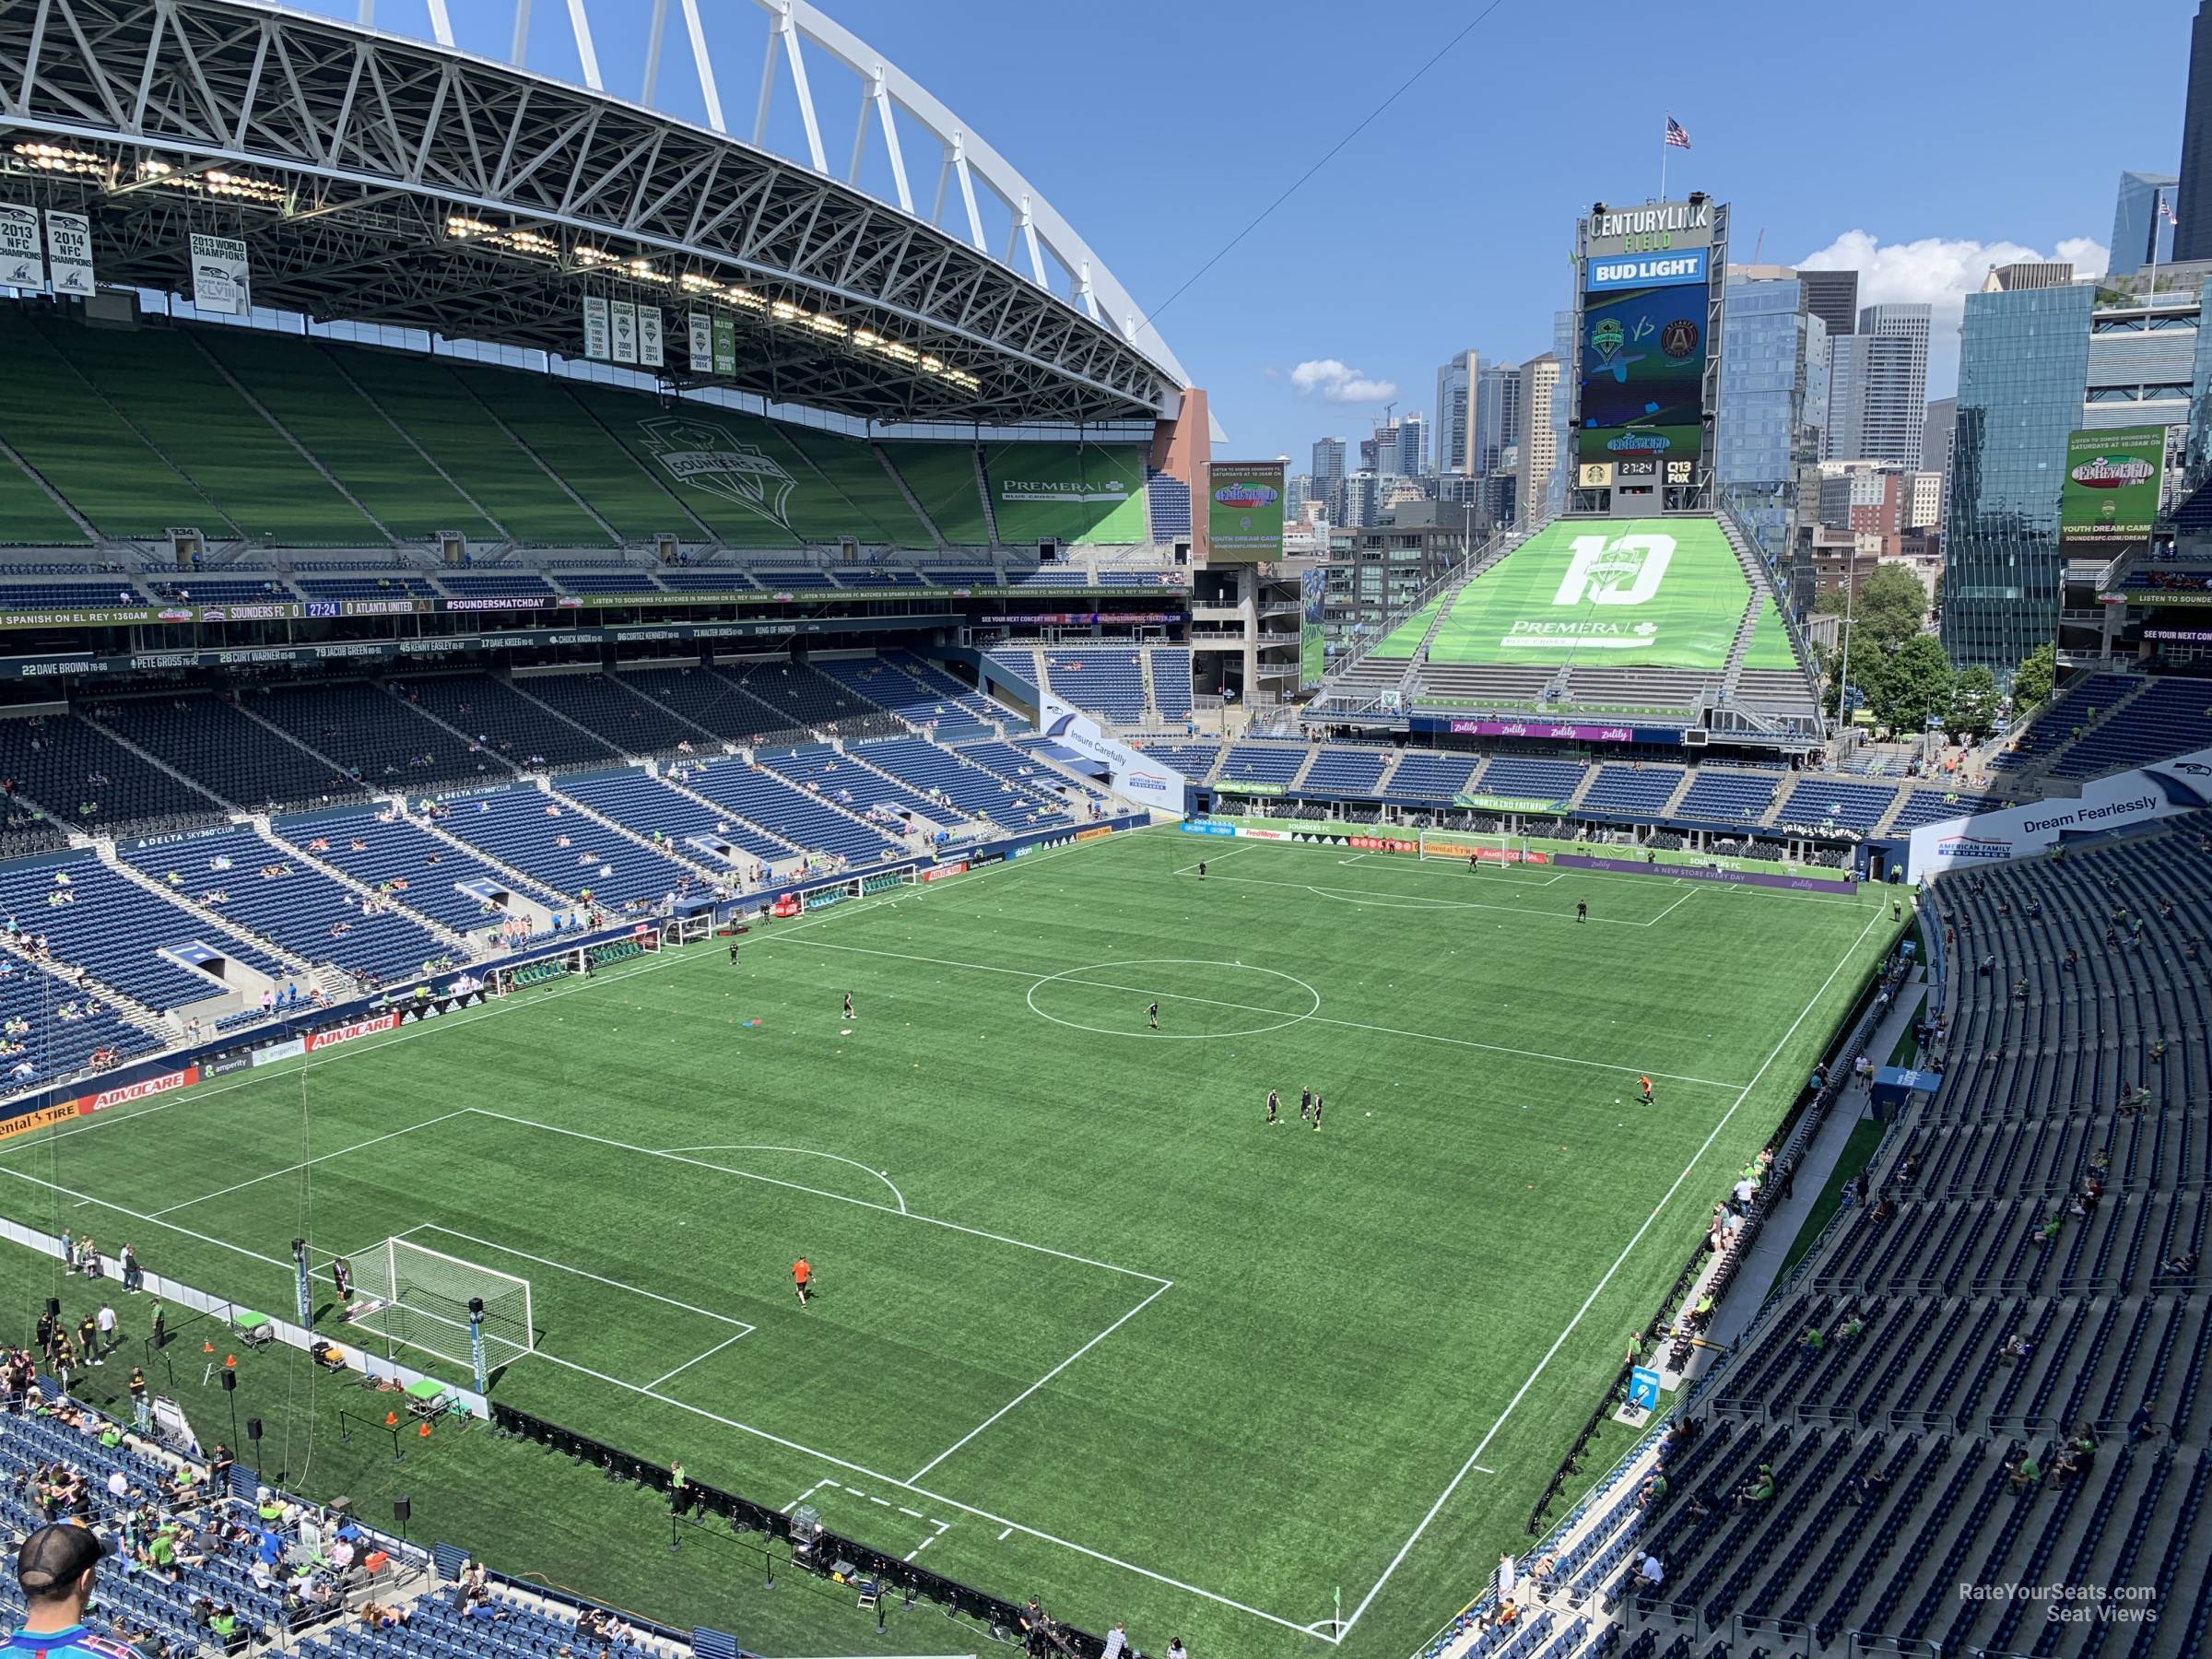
(799, 38)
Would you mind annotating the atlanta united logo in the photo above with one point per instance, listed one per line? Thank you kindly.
(706, 457)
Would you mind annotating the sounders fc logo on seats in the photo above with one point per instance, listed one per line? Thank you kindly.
(706, 457)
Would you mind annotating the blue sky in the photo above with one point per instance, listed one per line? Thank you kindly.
(1946, 134)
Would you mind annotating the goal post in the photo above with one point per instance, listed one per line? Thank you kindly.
(861, 886)
(419, 1298)
(1460, 846)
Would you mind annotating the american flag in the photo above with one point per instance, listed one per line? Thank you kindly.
(1675, 135)
(2165, 213)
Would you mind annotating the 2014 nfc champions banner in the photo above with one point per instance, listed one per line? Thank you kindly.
(2142, 796)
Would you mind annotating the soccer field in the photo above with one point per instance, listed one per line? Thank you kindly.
(1085, 1326)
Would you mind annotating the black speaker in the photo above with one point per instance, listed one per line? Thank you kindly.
(253, 1428)
(403, 1508)
(53, 1307)
(230, 1381)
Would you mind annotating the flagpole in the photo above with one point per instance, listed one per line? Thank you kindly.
(1663, 150)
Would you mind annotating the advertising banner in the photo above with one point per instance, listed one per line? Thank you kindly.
(219, 282)
(1733, 873)
(1142, 779)
(1642, 371)
(1545, 728)
(2110, 492)
(123, 1093)
(1239, 786)
(318, 1040)
(702, 342)
(288, 1048)
(68, 252)
(1244, 512)
(1646, 270)
(39, 1117)
(649, 337)
(22, 264)
(2165, 790)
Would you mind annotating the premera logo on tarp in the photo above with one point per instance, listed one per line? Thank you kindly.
(1618, 571)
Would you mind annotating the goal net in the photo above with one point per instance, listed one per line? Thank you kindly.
(419, 1298)
(1462, 846)
(882, 881)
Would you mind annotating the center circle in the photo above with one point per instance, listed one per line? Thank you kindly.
(1128, 978)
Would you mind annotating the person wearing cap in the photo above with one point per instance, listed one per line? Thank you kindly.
(56, 1567)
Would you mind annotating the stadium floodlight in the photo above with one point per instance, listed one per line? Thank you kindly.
(424, 1298)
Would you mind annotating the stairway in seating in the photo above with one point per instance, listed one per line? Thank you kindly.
(913, 501)
(179, 897)
(982, 490)
(1390, 770)
(266, 830)
(1144, 673)
(1673, 805)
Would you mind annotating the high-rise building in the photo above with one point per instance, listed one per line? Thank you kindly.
(1923, 507)
(1833, 297)
(2193, 237)
(2027, 273)
(2141, 234)
(1936, 448)
(1541, 390)
(1877, 393)
(1562, 413)
(1413, 447)
(2034, 365)
(1774, 397)
(1328, 477)
(1454, 418)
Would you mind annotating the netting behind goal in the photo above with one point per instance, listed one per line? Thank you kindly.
(419, 1298)
(1460, 846)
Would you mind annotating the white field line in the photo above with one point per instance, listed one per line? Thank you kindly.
(863, 1472)
(1379, 898)
(695, 1359)
(1687, 888)
(1349, 1024)
(810, 1152)
(1041, 1382)
(650, 964)
(597, 1279)
(1475, 1457)
(305, 1164)
(1217, 859)
(978, 1232)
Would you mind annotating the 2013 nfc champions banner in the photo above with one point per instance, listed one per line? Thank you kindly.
(2142, 796)
(22, 261)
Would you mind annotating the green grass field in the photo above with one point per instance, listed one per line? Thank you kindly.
(1085, 1327)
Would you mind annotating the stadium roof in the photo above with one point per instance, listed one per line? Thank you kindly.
(411, 182)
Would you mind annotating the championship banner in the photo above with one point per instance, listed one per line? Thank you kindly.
(21, 263)
(625, 323)
(725, 344)
(649, 337)
(596, 327)
(68, 252)
(220, 281)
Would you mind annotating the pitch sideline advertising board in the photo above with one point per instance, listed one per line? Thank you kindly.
(1244, 512)
(2150, 793)
(1641, 350)
(1151, 783)
(2109, 494)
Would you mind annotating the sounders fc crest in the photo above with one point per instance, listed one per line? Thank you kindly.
(705, 456)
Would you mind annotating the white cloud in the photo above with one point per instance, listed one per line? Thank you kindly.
(1337, 384)
(1938, 271)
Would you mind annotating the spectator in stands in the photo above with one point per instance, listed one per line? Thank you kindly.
(2140, 1427)
(1650, 1574)
(1758, 1489)
(2023, 1472)
(55, 1569)
(1865, 1485)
